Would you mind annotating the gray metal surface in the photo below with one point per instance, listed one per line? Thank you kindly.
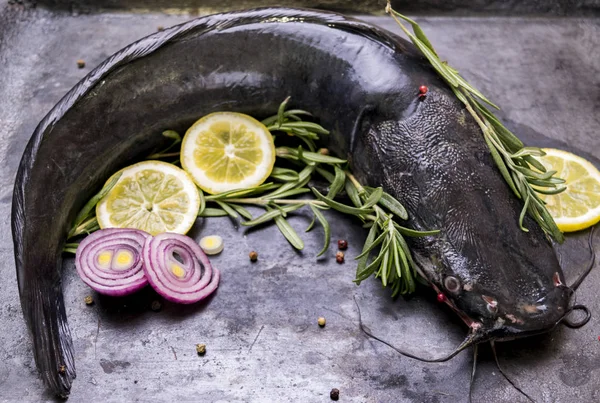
(263, 342)
(472, 7)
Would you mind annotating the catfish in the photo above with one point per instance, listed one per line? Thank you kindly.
(359, 80)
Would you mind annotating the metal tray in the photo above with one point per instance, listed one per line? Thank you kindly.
(263, 342)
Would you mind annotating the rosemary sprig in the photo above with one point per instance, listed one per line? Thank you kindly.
(391, 260)
(525, 175)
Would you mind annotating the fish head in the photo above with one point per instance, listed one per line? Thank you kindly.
(504, 297)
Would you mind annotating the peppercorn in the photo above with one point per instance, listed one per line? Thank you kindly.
(323, 151)
(156, 305)
(321, 321)
(339, 257)
(423, 89)
(62, 369)
(441, 297)
(253, 256)
(81, 63)
(201, 349)
(334, 394)
(342, 244)
(89, 300)
(160, 28)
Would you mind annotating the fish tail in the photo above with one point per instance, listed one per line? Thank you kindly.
(52, 342)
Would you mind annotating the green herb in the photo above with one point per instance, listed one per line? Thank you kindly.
(514, 161)
(385, 253)
(392, 262)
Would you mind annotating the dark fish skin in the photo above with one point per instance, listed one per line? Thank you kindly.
(360, 81)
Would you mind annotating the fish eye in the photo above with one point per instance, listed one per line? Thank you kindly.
(452, 284)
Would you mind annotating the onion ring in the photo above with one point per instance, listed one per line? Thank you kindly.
(110, 261)
(177, 268)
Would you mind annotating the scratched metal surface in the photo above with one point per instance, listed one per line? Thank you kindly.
(260, 328)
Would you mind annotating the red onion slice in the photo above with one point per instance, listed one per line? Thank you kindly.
(177, 268)
(110, 261)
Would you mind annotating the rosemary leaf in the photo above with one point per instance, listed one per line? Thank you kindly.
(288, 193)
(550, 224)
(414, 233)
(338, 182)
(241, 211)
(339, 206)
(522, 215)
(373, 198)
(229, 210)
(212, 212)
(501, 166)
(269, 215)
(384, 267)
(373, 244)
(364, 256)
(352, 193)
(280, 112)
(236, 193)
(310, 126)
(172, 134)
(530, 173)
(393, 206)
(406, 251)
(325, 174)
(508, 138)
(377, 261)
(284, 174)
(464, 84)
(533, 151)
(325, 226)
(91, 204)
(441, 68)
(312, 224)
(288, 232)
(418, 31)
(320, 158)
(550, 191)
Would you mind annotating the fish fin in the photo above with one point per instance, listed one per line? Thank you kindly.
(493, 345)
(44, 310)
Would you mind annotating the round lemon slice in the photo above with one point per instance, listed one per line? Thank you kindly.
(152, 196)
(227, 150)
(578, 207)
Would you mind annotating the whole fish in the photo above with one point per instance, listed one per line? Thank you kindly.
(358, 80)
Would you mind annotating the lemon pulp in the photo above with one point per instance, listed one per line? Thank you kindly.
(152, 196)
(226, 150)
(578, 207)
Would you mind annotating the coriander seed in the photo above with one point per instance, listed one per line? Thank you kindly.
(253, 256)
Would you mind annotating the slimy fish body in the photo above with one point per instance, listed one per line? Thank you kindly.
(360, 81)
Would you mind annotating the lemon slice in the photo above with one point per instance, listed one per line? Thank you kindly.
(152, 196)
(227, 150)
(578, 207)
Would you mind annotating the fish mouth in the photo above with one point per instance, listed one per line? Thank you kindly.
(523, 320)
